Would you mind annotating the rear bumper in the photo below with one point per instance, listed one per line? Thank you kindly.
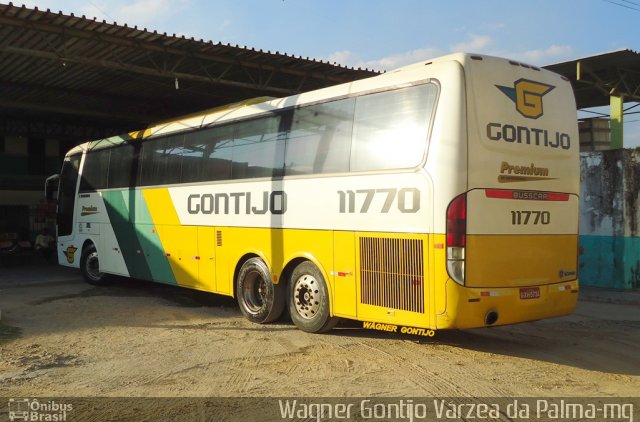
(470, 307)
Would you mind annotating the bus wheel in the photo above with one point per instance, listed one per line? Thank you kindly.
(260, 300)
(90, 267)
(309, 299)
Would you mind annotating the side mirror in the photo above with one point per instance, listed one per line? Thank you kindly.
(51, 187)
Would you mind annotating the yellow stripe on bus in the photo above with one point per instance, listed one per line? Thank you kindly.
(161, 206)
(140, 134)
(180, 243)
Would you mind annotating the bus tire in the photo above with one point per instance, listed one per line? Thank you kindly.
(90, 267)
(308, 298)
(260, 300)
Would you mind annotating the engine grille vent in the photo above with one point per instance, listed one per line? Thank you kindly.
(392, 273)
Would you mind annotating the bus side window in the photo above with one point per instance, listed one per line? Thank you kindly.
(390, 128)
(161, 161)
(258, 149)
(95, 170)
(171, 162)
(193, 157)
(320, 138)
(218, 158)
(121, 166)
(145, 171)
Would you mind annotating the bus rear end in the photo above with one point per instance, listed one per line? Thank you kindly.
(512, 236)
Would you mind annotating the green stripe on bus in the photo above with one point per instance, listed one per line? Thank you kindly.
(151, 244)
(121, 207)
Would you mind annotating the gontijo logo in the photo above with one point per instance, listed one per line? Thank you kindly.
(69, 253)
(528, 96)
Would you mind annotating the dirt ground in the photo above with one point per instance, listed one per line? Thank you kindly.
(66, 338)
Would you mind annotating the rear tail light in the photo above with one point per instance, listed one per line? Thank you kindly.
(457, 237)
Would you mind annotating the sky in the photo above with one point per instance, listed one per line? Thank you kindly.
(386, 34)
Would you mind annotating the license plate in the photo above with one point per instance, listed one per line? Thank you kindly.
(530, 293)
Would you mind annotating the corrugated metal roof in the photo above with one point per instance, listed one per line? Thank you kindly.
(66, 68)
(602, 75)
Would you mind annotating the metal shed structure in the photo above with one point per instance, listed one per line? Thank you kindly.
(605, 79)
(79, 78)
(66, 79)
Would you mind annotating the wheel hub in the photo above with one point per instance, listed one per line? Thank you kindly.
(255, 292)
(307, 296)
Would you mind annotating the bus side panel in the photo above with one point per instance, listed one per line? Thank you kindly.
(130, 242)
(93, 224)
(335, 212)
(224, 268)
(111, 259)
(181, 248)
(150, 241)
(180, 244)
(121, 206)
(344, 295)
(207, 255)
(145, 240)
(439, 273)
(446, 168)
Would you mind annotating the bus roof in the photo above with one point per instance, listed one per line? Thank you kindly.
(264, 104)
(146, 133)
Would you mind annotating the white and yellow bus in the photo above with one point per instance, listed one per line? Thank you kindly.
(440, 195)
